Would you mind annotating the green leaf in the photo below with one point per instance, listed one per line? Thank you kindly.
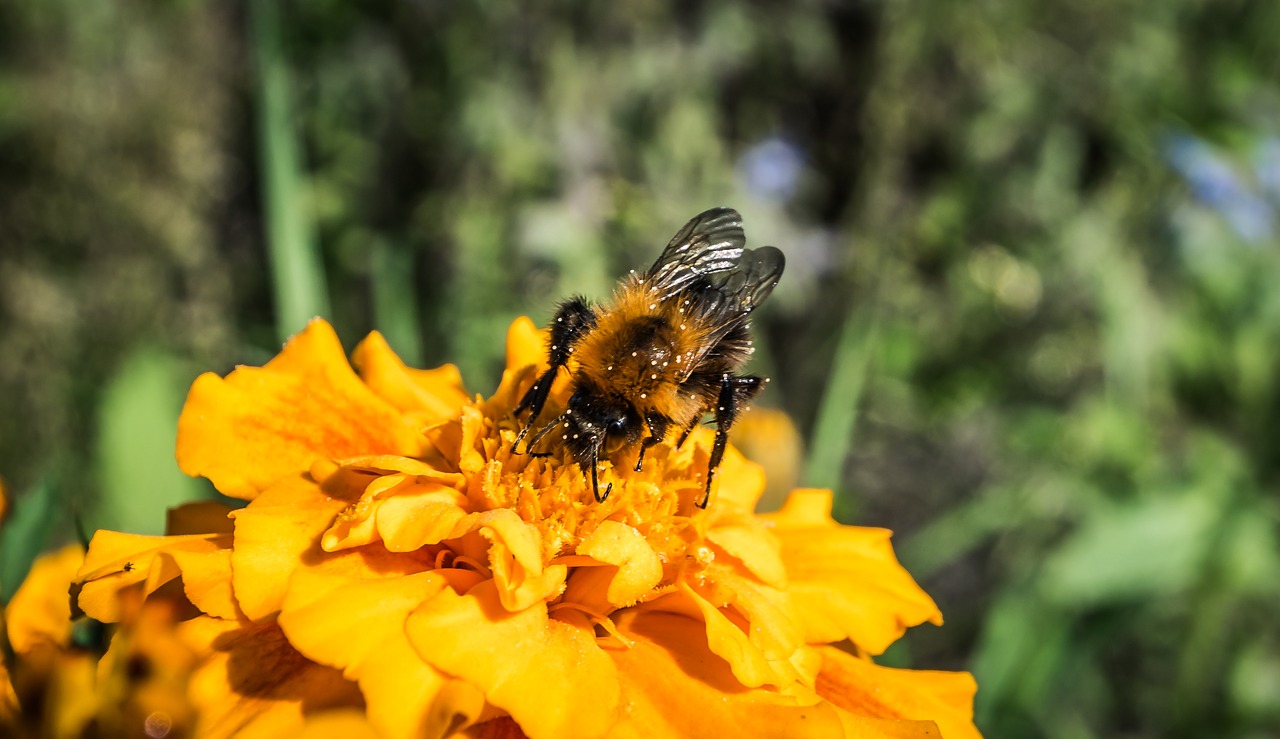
(25, 535)
(1153, 548)
(137, 435)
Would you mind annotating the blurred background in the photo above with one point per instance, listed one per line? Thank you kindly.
(1029, 319)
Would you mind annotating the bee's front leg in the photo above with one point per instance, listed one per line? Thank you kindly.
(657, 432)
(573, 319)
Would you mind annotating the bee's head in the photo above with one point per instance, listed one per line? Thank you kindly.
(608, 420)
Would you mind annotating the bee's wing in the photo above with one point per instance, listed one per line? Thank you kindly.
(710, 248)
(752, 278)
(710, 243)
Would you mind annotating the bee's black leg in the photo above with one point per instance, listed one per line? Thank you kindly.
(688, 430)
(657, 432)
(573, 319)
(537, 437)
(595, 483)
(735, 393)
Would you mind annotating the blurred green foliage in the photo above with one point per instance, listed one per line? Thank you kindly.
(1029, 304)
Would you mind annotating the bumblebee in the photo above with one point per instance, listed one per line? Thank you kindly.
(663, 354)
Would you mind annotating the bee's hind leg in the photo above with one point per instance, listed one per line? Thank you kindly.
(735, 393)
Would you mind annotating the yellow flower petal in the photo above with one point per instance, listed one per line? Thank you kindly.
(515, 557)
(201, 517)
(550, 676)
(254, 684)
(866, 689)
(8, 700)
(674, 685)
(746, 539)
(39, 613)
(359, 628)
(863, 727)
(260, 424)
(117, 561)
(636, 569)
(345, 723)
(425, 514)
(767, 613)
(271, 537)
(739, 481)
(845, 580)
(280, 532)
(727, 635)
(430, 396)
(143, 677)
(526, 345)
(206, 580)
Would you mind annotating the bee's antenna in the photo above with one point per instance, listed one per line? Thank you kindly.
(595, 462)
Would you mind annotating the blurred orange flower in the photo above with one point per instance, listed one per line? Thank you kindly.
(397, 570)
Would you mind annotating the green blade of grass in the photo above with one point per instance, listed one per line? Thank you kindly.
(395, 304)
(838, 414)
(296, 271)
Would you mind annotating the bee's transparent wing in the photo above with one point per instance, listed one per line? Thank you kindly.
(709, 256)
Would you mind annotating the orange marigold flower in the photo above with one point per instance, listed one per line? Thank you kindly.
(398, 571)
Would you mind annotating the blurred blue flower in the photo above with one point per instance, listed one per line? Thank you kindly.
(1266, 165)
(1214, 182)
(771, 168)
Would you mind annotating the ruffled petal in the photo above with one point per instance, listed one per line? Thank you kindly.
(631, 569)
(118, 561)
(39, 613)
(430, 396)
(866, 689)
(845, 580)
(550, 676)
(346, 723)
(526, 345)
(253, 683)
(257, 425)
(206, 579)
(272, 536)
(423, 515)
(199, 517)
(746, 538)
(674, 685)
(515, 558)
(863, 727)
(360, 628)
(766, 614)
(729, 635)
